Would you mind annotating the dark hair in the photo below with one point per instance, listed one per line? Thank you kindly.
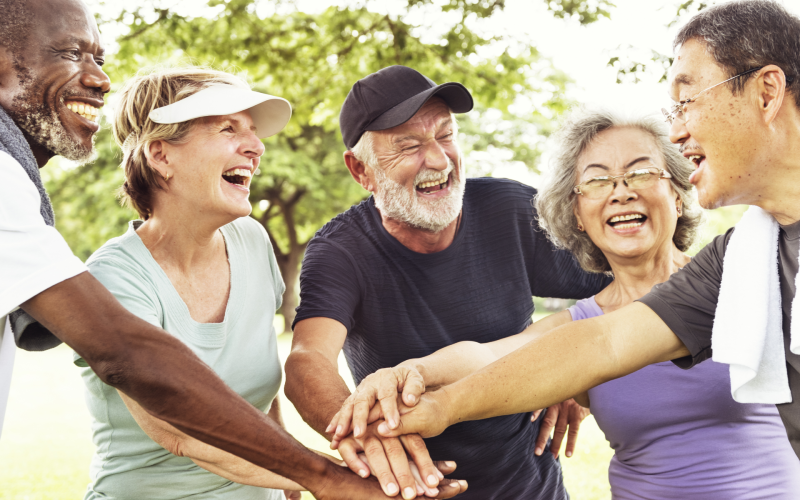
(748, 34)
(15, 25)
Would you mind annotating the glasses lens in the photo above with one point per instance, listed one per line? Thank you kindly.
(642, 178)
(597, 187)
(667, 116)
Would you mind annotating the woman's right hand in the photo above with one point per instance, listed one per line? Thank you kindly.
(385, 387)
(428, 418)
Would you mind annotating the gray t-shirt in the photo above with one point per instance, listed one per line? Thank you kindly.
(687, 303)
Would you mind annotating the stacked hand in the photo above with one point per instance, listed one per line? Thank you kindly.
(397, 395)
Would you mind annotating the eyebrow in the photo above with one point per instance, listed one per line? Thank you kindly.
(628, 166)
(83, 43)
(443, 123)
(683, 79)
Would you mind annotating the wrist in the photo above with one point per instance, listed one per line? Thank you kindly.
(446, 398)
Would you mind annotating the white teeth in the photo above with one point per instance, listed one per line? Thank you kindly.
(85, 110)
(695, 157)
(427, 184)
(628, 226)
(618, 218)
(243, 172)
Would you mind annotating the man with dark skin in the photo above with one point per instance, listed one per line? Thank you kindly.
(50, 62)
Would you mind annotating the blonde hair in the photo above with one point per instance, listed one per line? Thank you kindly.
(134, 131)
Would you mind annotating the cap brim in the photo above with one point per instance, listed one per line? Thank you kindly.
(270, 113)
(454, 94)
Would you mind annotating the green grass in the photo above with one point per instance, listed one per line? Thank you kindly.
(46, 444)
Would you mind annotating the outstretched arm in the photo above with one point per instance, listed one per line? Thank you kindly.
(161, 374)
(413, 377)
(553, 367)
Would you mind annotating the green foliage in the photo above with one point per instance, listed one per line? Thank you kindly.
(313, 59)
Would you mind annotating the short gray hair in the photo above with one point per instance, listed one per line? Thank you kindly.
(748, 34)
(556, 199)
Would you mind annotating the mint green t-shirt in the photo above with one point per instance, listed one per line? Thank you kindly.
(242, 350)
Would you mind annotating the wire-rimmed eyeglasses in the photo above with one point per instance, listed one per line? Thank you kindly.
(600, 187)
(679, 108)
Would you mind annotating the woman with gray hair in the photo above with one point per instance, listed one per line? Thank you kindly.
(619, 198)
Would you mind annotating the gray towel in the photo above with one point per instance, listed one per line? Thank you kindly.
(28, 333)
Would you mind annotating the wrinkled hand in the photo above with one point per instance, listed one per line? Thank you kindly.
(422, 488)
(341, 484)
(563, 418)
(382, 387)
(386, 459)
(428, 418)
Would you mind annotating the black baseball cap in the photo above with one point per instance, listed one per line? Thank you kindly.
(391, 97)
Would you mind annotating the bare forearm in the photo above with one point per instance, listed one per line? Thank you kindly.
(316, 389)
(167, 379)
(564, 362)
(459, 360)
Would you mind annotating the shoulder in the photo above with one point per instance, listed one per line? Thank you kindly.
(120, 257)
(18, 194)
(354, 220)
(499, 194)
(713, 254)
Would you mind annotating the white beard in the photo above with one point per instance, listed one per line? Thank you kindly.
(395, 201)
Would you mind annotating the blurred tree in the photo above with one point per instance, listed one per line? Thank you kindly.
(312, 59)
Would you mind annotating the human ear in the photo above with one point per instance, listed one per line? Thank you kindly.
(358, 170)
(771, 86)
(157, 158)
(579, 224)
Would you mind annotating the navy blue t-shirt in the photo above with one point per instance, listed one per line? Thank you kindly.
(398, 304)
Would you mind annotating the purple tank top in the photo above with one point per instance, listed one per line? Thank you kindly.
(679, 434)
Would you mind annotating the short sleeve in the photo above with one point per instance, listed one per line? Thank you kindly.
(129, 287)
(687, 301)
(555, 272)
(33, 255)
(329, 284)
(277, 278)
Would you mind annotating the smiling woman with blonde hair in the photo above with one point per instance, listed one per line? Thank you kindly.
(197, 266)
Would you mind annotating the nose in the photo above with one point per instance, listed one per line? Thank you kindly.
(677, 131)
(622, 194)
(95, 78)
(252, 147)
(435, 156)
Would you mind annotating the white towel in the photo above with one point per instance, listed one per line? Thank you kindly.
(748, 333)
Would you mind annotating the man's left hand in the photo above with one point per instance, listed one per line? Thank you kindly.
(563, 418)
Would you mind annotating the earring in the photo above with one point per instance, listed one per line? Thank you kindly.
(680, 210)
(167, 177)
(580, 227)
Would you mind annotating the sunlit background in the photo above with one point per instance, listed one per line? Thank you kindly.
(526, 61)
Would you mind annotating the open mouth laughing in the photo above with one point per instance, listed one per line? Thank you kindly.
(238, 176)
(84, 110)
(627, 221)
(434, 185)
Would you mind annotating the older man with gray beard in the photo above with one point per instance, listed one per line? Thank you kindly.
(428, 260)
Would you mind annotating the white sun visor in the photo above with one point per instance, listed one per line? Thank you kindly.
(270, 114)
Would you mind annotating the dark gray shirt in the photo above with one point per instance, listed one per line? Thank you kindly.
(687, 303)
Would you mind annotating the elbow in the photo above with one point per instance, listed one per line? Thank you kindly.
(294, 383)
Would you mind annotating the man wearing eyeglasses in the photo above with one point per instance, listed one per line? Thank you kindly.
(737, 118)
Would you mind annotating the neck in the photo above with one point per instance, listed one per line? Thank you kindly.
(779, 189)
(182, 242)
(635, 276)
(419, 240)
(40, 153)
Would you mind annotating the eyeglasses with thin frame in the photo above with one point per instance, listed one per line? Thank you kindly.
(679, 108)
(600, 187)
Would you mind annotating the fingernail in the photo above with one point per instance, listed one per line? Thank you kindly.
(409, 493)
(383, 428)
(357, 431)
(338, 429)
(569, 453)
(449, 464)
(439, 473)
(432, 481)
(363, 473)
(392, 423)
(392, 489)
(410, 398)
(462, 483)
(329, 428)
(537, 451)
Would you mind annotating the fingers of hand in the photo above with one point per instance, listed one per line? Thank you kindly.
(363, 403)
(400, 466)
(383, 459)
(340, 423)
(387, 396)
(548, 422)
(349, 449)
(422, 488)
(560, 431)
(535, 415)
(413, 387)
(452, 487)
(415, 446)
(445, 467)
(574, 428)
